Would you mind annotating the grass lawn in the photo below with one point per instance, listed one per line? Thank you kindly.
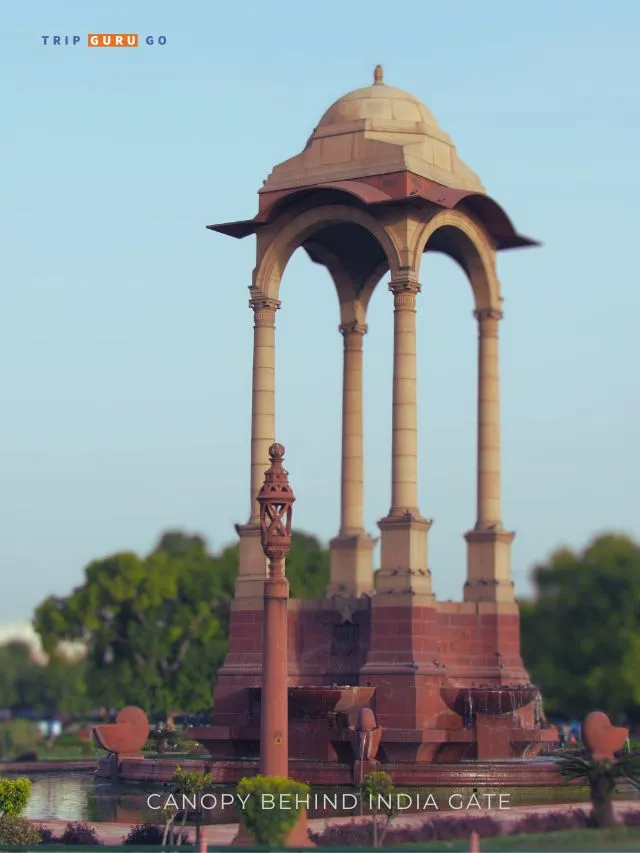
(192, 756)
(618, 838)
(61, 759)
(68, 753)
(76, 753)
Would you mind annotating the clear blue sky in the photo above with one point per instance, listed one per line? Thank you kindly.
(125, 348)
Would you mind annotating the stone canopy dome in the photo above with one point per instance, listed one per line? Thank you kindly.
(380, 145)
(378, 101)
(375, 130)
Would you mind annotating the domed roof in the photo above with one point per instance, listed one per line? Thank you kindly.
(375, 130)
(380, 145)
(378, 101)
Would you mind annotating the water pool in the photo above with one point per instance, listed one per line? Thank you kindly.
(77, 796)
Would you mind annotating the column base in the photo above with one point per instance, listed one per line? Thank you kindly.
(252, 568)
(489, 565)
(403, 558)
(351, 565)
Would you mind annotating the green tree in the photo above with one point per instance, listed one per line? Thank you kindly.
(270, 807)
(15, 665)
(188, 788)
(14, 796)
(581, 633)
(381, 795)
(17, 737)
(26, 684)
(156, 627)
(307, 566)
(602, 777)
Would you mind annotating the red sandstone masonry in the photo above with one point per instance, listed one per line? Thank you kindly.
(407, 653)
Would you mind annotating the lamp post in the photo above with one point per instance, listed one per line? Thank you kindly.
(276, 501)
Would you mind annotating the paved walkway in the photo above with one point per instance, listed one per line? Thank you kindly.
(221, 834)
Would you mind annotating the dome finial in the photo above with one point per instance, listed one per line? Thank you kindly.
(377, 75)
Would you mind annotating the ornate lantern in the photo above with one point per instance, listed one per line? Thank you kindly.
(276, 501)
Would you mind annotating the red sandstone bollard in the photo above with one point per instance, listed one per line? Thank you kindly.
(475, 843)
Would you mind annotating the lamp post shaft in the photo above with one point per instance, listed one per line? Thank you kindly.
(274, 722)
(275, 500)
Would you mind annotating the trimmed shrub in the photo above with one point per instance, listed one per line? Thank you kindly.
(26, 756)
(17, 831)
(149, 833)
(80, 833)
(47, 835)
(454, 828)
(631, 818)
(14, 796)
(145, 833)
(344, 835)
(271, 826)
(551, 822)
(67, 739)
(162, 741)
(359, 834)
(16, 737)
(87, 748)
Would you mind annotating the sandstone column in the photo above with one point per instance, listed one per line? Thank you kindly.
(404, 448)
(488, 483)
(352, 508)
(403, 563)
(352, 549)
(252, 564)
(488, 570)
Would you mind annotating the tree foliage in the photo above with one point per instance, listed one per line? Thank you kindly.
(17, 831)
(270, 807)
(307, 567)
(14, 796)
(156, 627)
(381, 795)
(581, 633)
(27, 684)
(602, 777)
(16, 666)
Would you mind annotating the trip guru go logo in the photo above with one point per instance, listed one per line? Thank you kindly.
(104, 40)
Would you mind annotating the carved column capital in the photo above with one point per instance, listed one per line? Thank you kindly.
(488, 314)
(404, 292)
(488, 319)
(355, 328)
(264, 309)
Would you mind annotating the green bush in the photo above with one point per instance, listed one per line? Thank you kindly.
(271, 807)
(82, 834)
(14, 796)
(380, 790)
(378, 784)
(17, 737)
(69, 742)
(17, 831)
(67, 739)
(188, 747)
(162, 741)
(87, 748)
